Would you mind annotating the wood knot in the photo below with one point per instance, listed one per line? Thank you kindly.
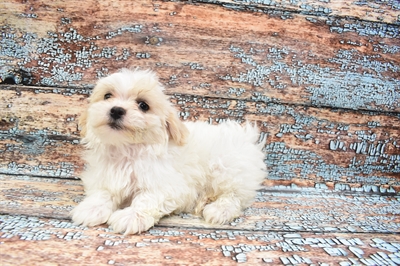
(155, 40)
(14, 77)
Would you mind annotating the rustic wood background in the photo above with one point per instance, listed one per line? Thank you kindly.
(320, 77)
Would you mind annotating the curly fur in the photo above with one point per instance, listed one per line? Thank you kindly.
(147, 163)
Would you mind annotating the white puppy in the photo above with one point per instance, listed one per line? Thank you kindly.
(144, 163)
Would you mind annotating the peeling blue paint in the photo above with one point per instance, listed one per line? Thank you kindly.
(346, 88)
(364, 28)
(62, 55)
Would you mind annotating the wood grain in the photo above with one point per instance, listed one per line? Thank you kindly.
(376, 11)
(202, 49)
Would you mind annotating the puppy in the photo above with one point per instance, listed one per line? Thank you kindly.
(144, 163)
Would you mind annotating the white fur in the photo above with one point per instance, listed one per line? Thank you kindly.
(156, 165)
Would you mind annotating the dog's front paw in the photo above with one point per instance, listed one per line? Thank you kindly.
(90, 214)
(216, 213)
(129, 221)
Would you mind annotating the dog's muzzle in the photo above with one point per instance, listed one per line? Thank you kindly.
(116, 114)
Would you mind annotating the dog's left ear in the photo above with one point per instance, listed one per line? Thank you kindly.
(176, 129)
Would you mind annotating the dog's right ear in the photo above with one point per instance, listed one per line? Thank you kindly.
(82, 123)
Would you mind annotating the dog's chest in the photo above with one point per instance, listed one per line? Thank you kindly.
(124, 171)
(119, 176)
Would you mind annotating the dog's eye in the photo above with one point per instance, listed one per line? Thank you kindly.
(107, 96)
(143, 106)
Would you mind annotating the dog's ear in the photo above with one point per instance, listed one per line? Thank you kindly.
(176, 129)
(82, 123)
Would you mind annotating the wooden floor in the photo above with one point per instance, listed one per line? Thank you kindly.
(285, 226)
(320, 79)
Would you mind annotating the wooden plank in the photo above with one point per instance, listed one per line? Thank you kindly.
(34, 241)
(40, 155)
(305, 145)
(203, 49)
(376, 11)
(291, 210)
(56, 109)
(42, 197)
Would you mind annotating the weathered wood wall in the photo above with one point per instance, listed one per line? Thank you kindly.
(320, 77)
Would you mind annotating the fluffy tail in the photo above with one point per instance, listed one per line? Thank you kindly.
(254, 135)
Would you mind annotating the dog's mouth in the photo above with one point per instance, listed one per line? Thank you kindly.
(115, 125)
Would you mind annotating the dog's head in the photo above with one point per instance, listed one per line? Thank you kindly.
(129, 107)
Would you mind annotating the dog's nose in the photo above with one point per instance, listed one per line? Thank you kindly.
(117, 112)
